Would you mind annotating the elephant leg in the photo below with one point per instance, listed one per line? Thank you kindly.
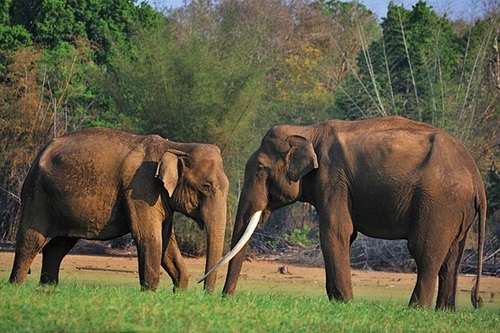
(172, 261)
(149, 254)
(29, 243)
(429, 253)
(335, 242)
(446, 299)
(53, 254)
(425, 287)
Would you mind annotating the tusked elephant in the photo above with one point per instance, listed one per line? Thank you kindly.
(390, 178)
(100, 184)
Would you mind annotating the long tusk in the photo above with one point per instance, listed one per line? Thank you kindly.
(237, 248)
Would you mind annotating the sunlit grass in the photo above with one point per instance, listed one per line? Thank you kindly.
(265, 301)
(98, 308)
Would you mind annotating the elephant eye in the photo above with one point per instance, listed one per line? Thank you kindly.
(262, 170)
(206, 187)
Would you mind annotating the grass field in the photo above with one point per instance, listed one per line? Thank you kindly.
(101, 294)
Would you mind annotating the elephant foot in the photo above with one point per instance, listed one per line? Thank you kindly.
(47, 279)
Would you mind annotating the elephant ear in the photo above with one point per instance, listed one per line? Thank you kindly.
(168, 169)
(301, 158)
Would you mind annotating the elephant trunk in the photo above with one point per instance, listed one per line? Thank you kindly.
(215, 246)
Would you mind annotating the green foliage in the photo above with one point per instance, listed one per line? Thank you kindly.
(91, 308)
(11, 36)
(305, 77)
(181, 89)
(105, 22)
(338, 7)
(409, 71)
(71, 77)
(301, 236)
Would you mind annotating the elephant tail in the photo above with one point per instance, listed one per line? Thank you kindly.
(477, 301)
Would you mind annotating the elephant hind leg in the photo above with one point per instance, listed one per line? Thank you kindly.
(446, 299)
(29, 243)
(53, 254)
(428, 260)
(424, 289)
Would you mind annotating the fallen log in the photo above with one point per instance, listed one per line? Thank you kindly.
(91, 268)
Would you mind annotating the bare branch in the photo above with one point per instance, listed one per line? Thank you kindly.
(409, 64)
(18, 199)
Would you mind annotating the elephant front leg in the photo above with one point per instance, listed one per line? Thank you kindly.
(172, 261)
(335, 243)
(149, 256)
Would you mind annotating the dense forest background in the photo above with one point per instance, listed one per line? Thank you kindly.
(224, 71)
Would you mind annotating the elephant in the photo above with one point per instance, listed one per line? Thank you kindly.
(389, 177)
(100, 183)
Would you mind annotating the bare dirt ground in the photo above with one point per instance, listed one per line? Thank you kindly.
(257, 276)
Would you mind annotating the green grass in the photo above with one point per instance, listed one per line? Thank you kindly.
(75, 307)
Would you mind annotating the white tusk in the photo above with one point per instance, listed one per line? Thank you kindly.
(237, 248)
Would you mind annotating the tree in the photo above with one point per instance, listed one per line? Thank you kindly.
(11, 36)
(326, 38)
(105, 22)
(23, 128)
(43, 95)
(409, 70)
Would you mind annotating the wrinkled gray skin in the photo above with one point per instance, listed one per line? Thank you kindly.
(388, 178)
(100, 184)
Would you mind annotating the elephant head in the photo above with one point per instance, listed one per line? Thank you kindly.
(272, 180)
(197, 187)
